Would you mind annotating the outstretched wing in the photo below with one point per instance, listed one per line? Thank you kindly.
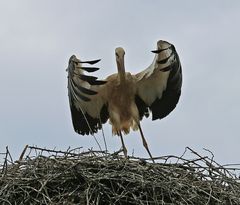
(86, 97)
(159, 86)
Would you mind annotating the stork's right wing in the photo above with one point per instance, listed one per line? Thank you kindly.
(86, 97)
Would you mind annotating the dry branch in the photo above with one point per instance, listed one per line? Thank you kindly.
(44, 176)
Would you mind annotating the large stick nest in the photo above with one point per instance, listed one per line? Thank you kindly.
(44, 176)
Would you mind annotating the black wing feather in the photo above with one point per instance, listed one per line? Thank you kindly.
(163, 106)
(84, 124)
(90, 69)
(142, 107)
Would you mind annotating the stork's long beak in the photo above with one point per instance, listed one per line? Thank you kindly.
(121, 68)
(120, 65)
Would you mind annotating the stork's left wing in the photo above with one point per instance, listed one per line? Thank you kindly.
(87, 103)
(159, 86)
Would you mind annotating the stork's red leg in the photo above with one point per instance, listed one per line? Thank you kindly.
(123, 145)
(145, 143)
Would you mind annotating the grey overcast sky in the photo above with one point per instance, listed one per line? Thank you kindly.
(38, 37)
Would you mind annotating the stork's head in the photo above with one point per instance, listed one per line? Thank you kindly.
(120, 59)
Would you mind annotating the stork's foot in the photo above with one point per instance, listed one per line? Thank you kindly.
(146, 147)
(123, 145)
(145, 143)
(125, 151)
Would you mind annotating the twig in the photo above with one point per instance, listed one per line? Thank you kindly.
(50, 176)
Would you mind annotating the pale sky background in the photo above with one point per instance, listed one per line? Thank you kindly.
(38, 37)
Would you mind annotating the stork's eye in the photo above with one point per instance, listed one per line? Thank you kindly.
(117, 55)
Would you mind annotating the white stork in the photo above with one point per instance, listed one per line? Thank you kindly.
(124, 98)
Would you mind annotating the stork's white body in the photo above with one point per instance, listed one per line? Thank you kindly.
(124, 113)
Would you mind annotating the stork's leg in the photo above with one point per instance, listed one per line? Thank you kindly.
(123, 145)
(145, 143)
